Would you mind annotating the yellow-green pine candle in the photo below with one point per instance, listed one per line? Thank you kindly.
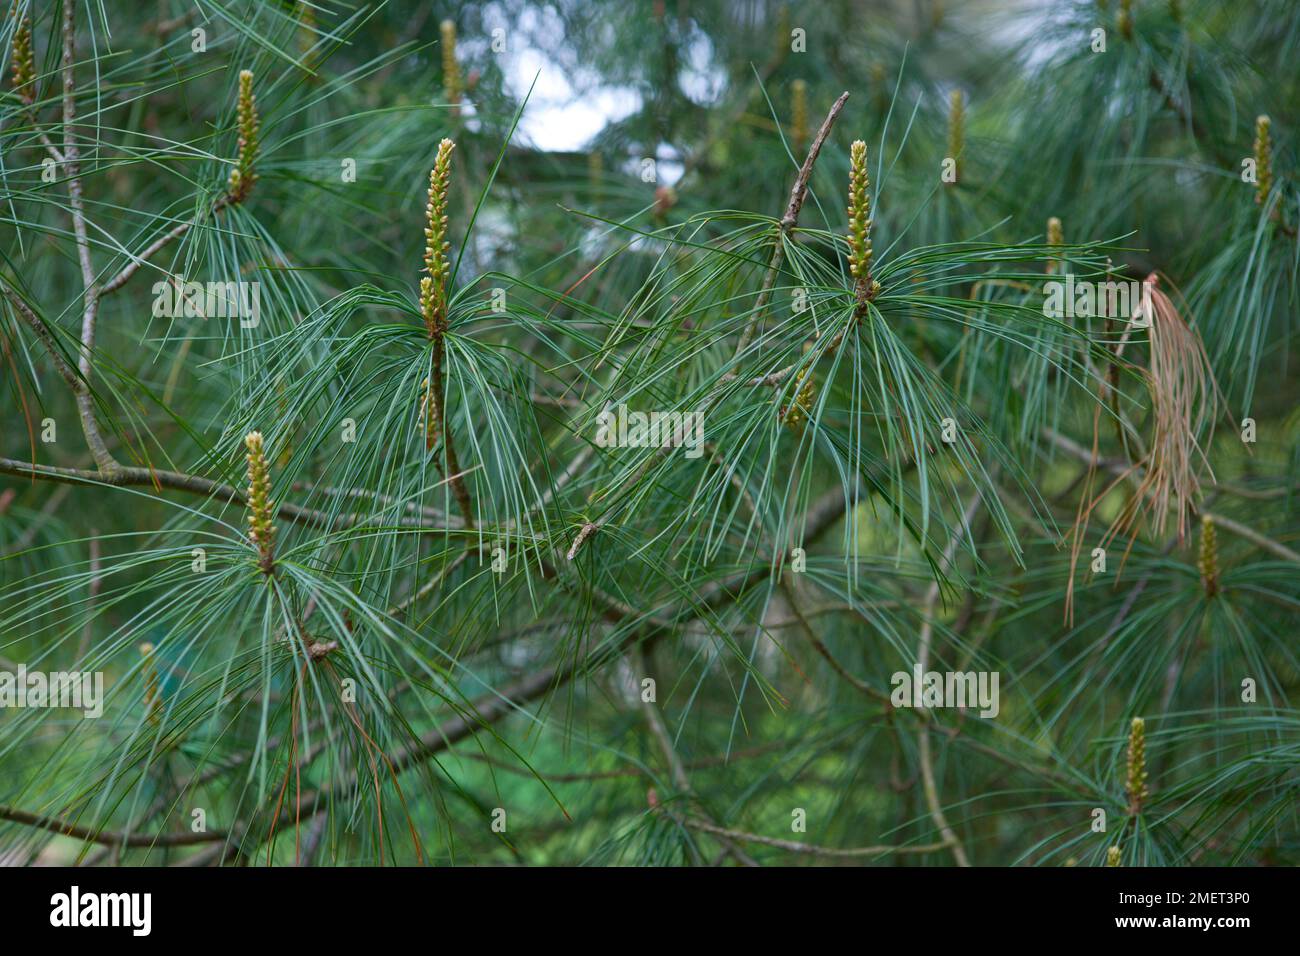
(450, 66)
(795, 415)
(1209, 557)
(261, 510)
(152, 696)
(23, 63)
(1136, 786)
(1263, 159)
(244, 174)
(428, 415)
(799, 116)
(433, 288)
(956, 130)
(1055, 237)
(859, 236)
(1126, 18)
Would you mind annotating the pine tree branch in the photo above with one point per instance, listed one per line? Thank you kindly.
(677, 771)
(797, 195)
(798, 192)
(130, 269)
(493, 707)
(625, 773)
(794, 846)
(108, 837)
(66, 372)
(50, 147)
(922, 662)
(1201, 137)
(90, 295)
(127, 477)
(820, 647)
(1261, 541)
(76, 382)
(925, 716)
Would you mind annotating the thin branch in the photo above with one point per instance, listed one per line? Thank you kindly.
(25, 312)
(587, 531)
(49, 145)
(623, 773)
(1253, 536)
(794, 846)
(108, 837)
(124, 477)
(798, 193)
(677, 772)
(922, 660)
(788, 595)
(130, 269)
(90, 295)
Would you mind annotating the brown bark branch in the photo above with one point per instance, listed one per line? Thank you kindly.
(798, 192)
(794, 846)
(108, 837)
(922, 660)
(677, 771)
(90, 294)
(25, 312)
(130, 269)
(124, 477)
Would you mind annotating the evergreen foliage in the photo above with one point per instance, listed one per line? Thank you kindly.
(313, 367)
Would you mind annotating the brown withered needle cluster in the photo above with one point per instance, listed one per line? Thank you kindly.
(1185, 400)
